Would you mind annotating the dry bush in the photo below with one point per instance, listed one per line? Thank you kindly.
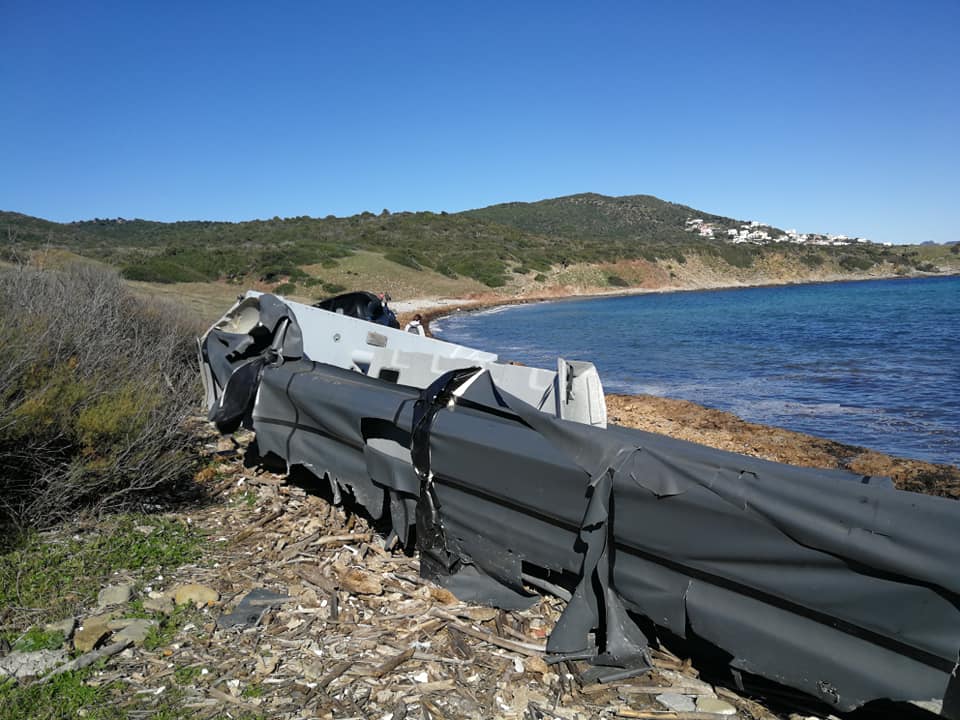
(95, 389)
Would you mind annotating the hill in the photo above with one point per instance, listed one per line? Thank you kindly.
(642, 218)
(585, 242)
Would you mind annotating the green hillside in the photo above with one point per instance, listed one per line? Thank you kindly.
(588, 215)
(489, 245)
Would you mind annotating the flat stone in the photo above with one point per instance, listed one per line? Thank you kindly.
(199, 594)
(136, 630)
(716, 706)
(161, 604)
(121, 623)
(66, 627)
(676, 702)
(87, 637)
(114, 595)
(30, 664)
(102, 618)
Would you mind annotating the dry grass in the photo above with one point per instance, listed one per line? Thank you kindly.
(205, 302)
(95, 388)
(371, 271)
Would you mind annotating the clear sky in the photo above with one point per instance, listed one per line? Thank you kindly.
(835, 116)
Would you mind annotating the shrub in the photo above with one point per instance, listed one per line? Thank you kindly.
(739, 256)
(334, 288)
(285, 288)
(403, 259)
(161, 270)
(851, 262)
(812, 261)
(95, 389)
(540, 277)
(616, 281)
(446, 270)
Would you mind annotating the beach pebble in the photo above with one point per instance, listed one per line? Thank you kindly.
(715, 705)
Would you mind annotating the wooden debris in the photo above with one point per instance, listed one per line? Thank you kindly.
(365, 636)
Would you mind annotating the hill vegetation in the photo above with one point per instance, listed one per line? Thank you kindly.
(491, 246)
(598, 217)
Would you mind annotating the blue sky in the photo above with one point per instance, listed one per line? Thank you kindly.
(837, 116)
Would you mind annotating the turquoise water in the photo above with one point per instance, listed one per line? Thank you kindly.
(867, 363)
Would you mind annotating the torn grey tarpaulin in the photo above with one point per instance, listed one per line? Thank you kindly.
(818, 580)
(251, 608)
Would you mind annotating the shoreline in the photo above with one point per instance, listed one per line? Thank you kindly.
(690, 421)
(436, 308)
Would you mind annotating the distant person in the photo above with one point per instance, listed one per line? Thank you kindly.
(415, 326)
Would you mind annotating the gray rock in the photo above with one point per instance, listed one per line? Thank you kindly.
(715, 705)
(114, 595)
(162, 604)
(676, 702)
(64, 626)
(30, 664)
(135, 630)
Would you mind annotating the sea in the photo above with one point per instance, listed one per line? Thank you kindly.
(871, 363)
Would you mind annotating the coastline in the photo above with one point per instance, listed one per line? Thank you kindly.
(689, 421)
(436, 308)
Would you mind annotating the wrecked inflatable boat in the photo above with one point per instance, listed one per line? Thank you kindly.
(508, 477)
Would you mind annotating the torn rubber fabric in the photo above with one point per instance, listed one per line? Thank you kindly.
(839, 586)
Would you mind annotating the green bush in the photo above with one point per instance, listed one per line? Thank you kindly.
(403, 259)
(812, 261)
(334, 288)
(616, 281)
(95, 389)
(540, 277)
(852, 262)
(740, 256)
(161, 270)
(285, 288)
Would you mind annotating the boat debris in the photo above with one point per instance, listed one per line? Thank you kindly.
(507, 478)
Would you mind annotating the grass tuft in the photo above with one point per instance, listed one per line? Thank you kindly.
(52, 578)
